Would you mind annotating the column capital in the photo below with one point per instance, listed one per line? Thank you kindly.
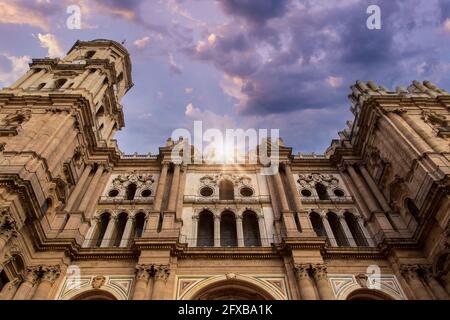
(410, 271)
(50, 273)
(162, 272)
(143, 271)
(319, 271)
(32, 274)
(426, 271)
(302, 270)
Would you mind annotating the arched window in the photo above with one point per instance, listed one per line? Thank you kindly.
(139, 224)
(59, 83)
(226, 190)
(322, 191)
(131, 191)
(317, 224)
(205, 232)
(104, 220)
(41, 85)
(250, 226)
(89, 54)
(355, 230)
(120, 228)
(336, 227)
(228, 234)
(412, 208)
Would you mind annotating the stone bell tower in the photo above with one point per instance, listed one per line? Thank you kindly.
(57, 124)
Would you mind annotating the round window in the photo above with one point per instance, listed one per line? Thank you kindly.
(113, 193)
(246, 192)
(206, 191)
(338, 193)
(306, 193)
(146, 193)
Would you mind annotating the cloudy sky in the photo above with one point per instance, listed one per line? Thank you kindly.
(284, 64)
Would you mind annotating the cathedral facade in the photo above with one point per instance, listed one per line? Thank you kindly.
(79, 219)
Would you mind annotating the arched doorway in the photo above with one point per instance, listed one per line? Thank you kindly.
(95, 295)
(368, 294)
(232, 290)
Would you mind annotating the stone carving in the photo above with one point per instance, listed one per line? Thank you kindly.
(16, 119)
(98, 282)
(230, 276)
(434, 119)
(310, 180)
(50, 273)
(362, 280)
(8, 227)
(144, 271)
(32, 274)
(162, 272)
(319, 271)
(213, 179)
(302, 270)
(410, 271)
(143, 181)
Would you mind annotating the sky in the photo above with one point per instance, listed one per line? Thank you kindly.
(274, 64)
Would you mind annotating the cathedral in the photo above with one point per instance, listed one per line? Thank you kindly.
(81, 220)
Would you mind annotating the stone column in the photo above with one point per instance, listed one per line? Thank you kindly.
(323, 285)
(162, 272)
(328, 230)
(48, 278)
(161, 186)
(411, 274)
(281, 193)
(405, 129)
(91, 188)
(89, 238)
(239, 231)
(141, 281)
(305, 285)
(305, 223)
(347, 231)
(362, 188)
(80, 78)
(27, 285)
(262, 231)
(110, 230)
(293, 187)
(374, 188)
(180, 199)
(360, 221)
(432, 141)
(174, 188)
(195, 218)
(217, 230)
(79, 186)
(127, 232)
(437, 289)
(372, 205)
(9, 289)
